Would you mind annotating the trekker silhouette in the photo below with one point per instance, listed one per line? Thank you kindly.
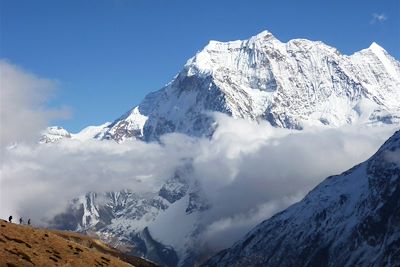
(10, 219)
(20, 220)
(29, 221)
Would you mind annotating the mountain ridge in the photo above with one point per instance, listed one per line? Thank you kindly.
(290, 85)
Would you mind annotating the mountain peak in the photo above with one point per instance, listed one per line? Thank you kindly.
(264, 35)
(214, 45)
(385, 59)
(376, 47)
(54, 133)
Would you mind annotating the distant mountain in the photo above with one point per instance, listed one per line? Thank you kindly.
(55, 133)
(351, 219)
(290, 85)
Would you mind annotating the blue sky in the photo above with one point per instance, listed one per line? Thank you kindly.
(106, 55)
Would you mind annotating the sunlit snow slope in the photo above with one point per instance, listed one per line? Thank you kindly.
(291, 85)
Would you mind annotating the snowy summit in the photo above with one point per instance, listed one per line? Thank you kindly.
(291, 85)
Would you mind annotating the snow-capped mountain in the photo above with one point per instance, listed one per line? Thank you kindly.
(55, 133)
(291, 85)
(351, 219)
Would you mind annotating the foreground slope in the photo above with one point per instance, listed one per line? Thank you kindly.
(27, 246)
(351, 219)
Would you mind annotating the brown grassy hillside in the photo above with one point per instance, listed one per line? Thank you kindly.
(27, 246)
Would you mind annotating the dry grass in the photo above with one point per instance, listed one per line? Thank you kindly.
(27, 246)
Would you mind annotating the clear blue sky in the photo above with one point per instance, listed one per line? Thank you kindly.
(108, 54)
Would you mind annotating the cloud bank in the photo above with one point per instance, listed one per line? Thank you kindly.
(22, 104)
(263, 174)
(247, 172)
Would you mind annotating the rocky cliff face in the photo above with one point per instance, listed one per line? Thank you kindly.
(350, 219)
(123, 218)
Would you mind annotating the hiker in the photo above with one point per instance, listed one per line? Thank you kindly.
(20, 220)
(10, 219)
(29, 221)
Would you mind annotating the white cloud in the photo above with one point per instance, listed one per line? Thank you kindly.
(378, 18)
(22, 104)
(23, 114)
(39, 180)
(248, 177)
